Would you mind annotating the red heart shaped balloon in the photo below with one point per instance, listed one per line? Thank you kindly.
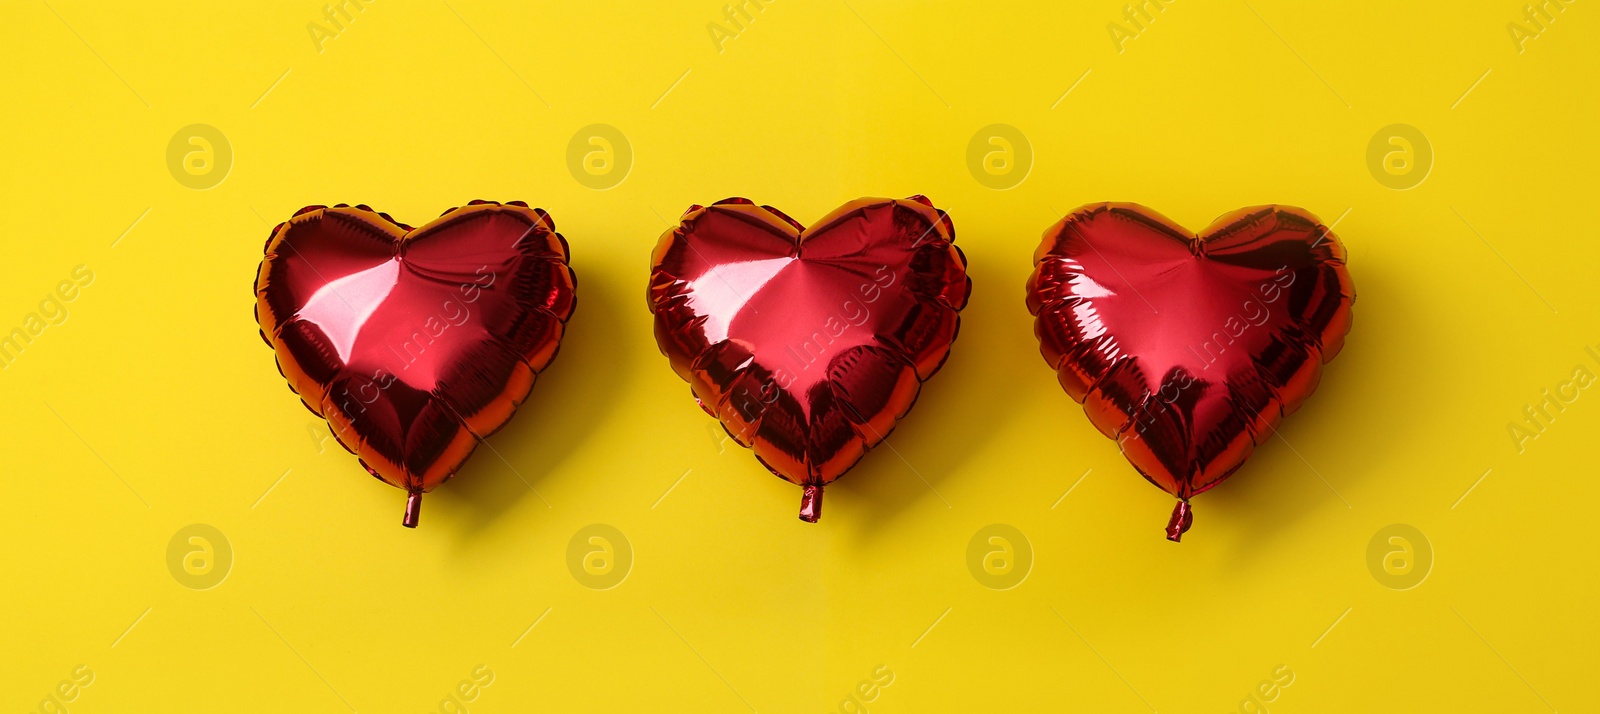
(414, 344)
(809, 344)
(1189, 349)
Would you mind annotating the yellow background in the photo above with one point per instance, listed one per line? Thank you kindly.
(1477, 292)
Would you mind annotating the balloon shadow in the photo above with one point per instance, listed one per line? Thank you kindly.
(1331, 444)
(547, 429)
(958, 410)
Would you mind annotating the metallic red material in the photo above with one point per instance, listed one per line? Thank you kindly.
(413, 509)
(809, 344)
(811, 503)
(1189, 349)
(414, 344)
(1178, 524)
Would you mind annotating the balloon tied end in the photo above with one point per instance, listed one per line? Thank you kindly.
(413, 509)
(1178, 524)
(811, 503)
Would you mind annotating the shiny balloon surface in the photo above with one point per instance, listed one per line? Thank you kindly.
(809, 344)
(1189, 349)
(414, 344)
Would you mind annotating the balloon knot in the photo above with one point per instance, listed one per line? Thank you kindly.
(413, 509)
(1180, 521)
(811, 503)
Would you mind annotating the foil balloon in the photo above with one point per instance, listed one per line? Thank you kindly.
(808, 344)
(1189, 349)
(414, 344)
